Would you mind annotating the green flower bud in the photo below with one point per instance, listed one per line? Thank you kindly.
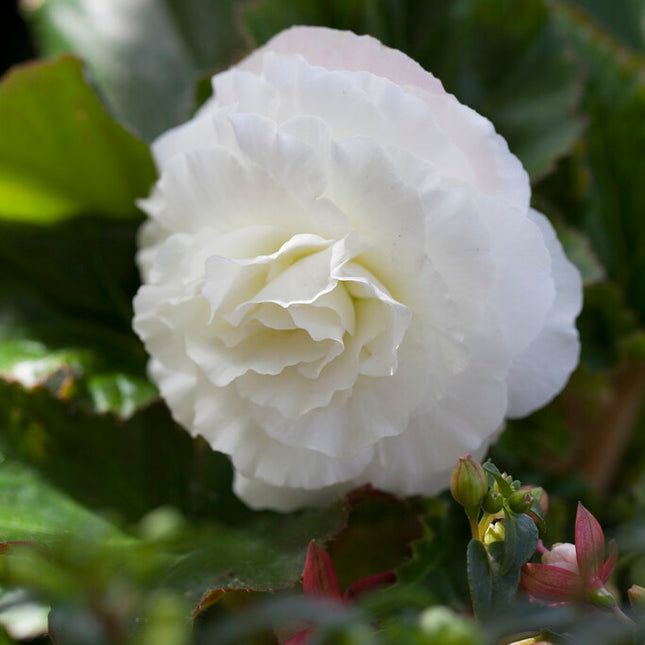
(442, 625)
(492, 502)
(468, 483)
(636, 595)
(602, 598)
(540, 495)
(520, 501)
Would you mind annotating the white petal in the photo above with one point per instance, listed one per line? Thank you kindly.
(377, 408)
(224, 420)
(544, 367)
(495, 170)
(524, 290)
(258, 494)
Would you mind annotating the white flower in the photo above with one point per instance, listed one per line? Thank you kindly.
(343, 280)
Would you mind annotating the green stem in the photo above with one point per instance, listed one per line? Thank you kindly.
(623, 617)
(474, 524)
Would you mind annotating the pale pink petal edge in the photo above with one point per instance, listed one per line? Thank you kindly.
(345, 50)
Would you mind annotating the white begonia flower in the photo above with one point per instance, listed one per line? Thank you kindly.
(343, 279)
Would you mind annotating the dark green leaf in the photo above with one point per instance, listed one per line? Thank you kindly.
(266, 18)
(60, 153)
(388, 524)
(535, 107)
(633, 346)
(144, 55)
(65, 319)
(127, 468)
(265, 554)
(624, 18)
(605, 319)
(71, 624)
(504, 584)
(435, 572)
(480, 579)
(521, 536)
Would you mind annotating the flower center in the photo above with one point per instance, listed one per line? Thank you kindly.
(308, 311)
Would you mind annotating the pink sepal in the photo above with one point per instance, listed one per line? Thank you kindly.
(319, 579)
(300, 638)
(590, 544)
(377, 581)
(550, 583)
(608, 568)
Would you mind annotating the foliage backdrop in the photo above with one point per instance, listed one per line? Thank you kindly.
(138, 516)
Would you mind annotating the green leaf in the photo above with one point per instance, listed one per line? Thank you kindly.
(624, 18)
(633, 346)
(604, 321)
(615, 103)
(71, 373)
(124, 467)
(145, 55)
(265, 554)
(33, 509)
(65, 322)
(480, 579)
(388, 524)
(505, 584)
(521, 537)
(61, 154)
(266, 18)
(434, 573)
(536, 105)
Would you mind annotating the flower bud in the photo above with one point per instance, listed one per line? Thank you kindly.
(540, 494)
(442, 625)
(563, 555)
(520, 501)
(602, 598)
(636, 595)
(492, 502)
(468, 483)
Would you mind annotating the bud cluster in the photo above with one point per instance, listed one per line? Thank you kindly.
(483, 490)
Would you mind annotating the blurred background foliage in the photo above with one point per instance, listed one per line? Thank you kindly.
(136, 526)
